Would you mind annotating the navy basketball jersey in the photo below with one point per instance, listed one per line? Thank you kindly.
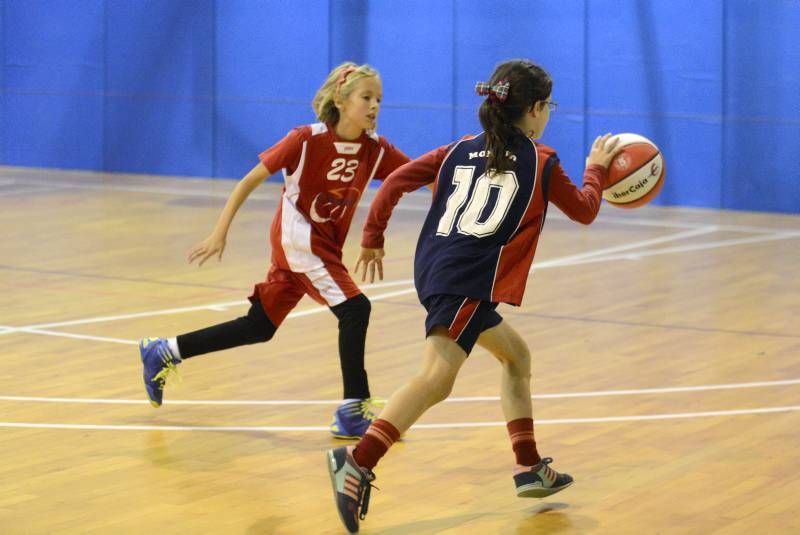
(480, 234)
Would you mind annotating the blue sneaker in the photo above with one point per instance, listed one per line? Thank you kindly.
(158, 361)
(351, 486)
(352, 418)
(539, 481)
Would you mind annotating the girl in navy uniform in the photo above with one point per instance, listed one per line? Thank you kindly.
(474, 251)
(326, 167)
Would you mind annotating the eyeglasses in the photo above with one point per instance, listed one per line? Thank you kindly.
(553, 105)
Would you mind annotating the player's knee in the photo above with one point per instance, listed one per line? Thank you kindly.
(442, 391)
(258, 326)
(355, 310)
(515, 357)
(438, 386)
(519, 364)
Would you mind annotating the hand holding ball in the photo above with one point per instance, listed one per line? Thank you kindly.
(636, 173)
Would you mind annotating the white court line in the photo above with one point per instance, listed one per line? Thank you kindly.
(595, 256)
(211, 306)
(568, 260)
(635, 255)
(643, 391)
(558, 262)
(180, 192)
(605, 419)
(401, 206)
(603, 217)
(584, 258)
(630, 221)
(76, 336)
(598, 393)
(30, 189)
(100, 319)
(602, 255)
(37, 329)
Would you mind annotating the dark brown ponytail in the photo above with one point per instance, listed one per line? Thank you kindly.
(527, 84)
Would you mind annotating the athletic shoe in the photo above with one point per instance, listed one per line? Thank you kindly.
(158, 362)
(351, 486)
(352, 418)
(539, 481)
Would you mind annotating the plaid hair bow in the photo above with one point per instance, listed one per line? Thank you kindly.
(497, 92)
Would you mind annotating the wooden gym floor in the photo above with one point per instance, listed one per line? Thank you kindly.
(666, 374)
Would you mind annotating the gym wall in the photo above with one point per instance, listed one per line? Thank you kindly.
(199, 87)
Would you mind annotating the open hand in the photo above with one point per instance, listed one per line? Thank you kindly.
(369, 259)
(213, 245)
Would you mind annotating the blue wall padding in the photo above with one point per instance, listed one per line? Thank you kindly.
(502, 31)
(159, 86)
(53, 92)
(271, 58)
(762, 106)
(2, 82)
(417, 70)
(653, 73)
(349, 45)
(199, 87)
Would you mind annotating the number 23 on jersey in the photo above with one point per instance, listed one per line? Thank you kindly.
(343, 169)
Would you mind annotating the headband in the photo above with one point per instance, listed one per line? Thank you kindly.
(343, 76)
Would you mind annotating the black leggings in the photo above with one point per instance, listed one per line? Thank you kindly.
(251, 329)
(353, 317)
(256, 327)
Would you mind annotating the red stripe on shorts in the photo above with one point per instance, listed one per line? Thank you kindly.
(463, 316)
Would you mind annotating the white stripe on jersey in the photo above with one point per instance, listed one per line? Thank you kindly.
(318, 128)
(327, 287)
(346, 148)
(375, 167)
(295, 230)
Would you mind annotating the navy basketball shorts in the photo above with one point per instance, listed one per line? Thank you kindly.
(464, 318)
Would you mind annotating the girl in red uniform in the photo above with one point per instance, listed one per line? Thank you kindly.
(326, 167)
(475, 251)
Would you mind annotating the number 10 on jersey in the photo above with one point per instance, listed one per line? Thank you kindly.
(469, 222)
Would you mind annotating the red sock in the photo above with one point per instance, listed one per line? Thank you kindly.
(375, 443)
(522, 442)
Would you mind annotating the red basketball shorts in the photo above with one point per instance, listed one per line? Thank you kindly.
(464, 318)
(329, 285)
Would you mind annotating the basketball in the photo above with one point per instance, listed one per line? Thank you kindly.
(636, 174)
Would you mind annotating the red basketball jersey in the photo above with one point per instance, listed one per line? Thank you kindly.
(324, 177)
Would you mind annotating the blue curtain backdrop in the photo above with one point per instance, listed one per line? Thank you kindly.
(199, 87)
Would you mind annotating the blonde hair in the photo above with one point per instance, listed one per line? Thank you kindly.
(340, 82)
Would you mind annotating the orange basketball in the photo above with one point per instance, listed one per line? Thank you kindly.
(636, 173)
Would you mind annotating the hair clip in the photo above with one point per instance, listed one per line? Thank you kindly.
(497, 92)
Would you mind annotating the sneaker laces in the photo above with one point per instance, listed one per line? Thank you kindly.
(366, 405)
(169, 366)
(549, 473)
(364, 488)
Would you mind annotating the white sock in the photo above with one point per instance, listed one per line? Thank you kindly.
(173, 346)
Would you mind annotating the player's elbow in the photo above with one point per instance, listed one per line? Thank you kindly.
(585, 218)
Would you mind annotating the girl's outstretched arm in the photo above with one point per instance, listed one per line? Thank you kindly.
(214, 244)
(408, 177)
